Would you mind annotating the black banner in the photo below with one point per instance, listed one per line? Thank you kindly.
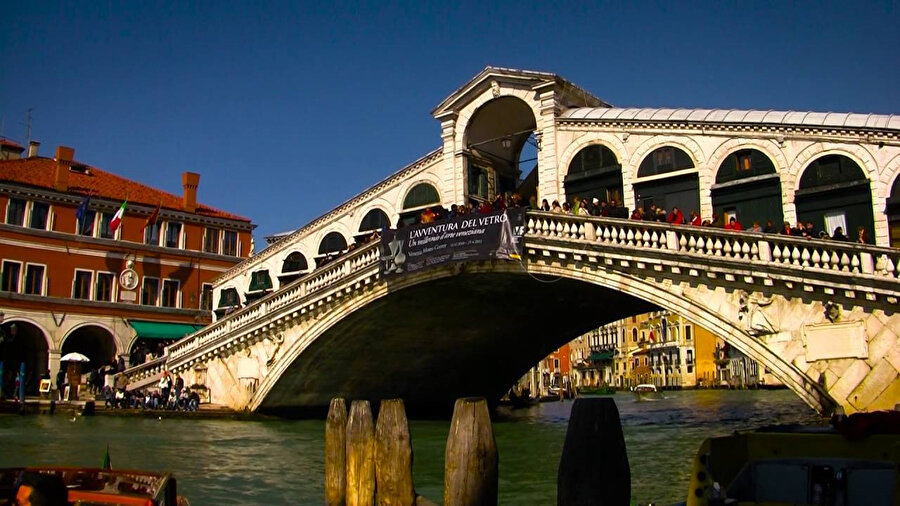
(468, 237)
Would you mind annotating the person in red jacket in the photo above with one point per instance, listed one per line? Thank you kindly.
(675, 217)
(733, 224)
(695, 219)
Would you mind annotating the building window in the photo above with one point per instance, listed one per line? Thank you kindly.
(173, 235)
(211, 240)
(687, 332)
(105, 232)
(34, 279)
(39, 214)
(555, 364)
(150, 292)
(104, 287)
(151, 234)
(10, 276)
(81, 285)
(633, 335)
(206, 297)
(170, 293)
(229, 243)
(15, 212)
(86, 227)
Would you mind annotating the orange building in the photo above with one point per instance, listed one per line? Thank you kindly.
(73, 281)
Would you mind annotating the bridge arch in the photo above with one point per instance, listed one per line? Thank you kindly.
(657, 186)
(888, 196)
(416, 196)
(719, 312)
(373, 220)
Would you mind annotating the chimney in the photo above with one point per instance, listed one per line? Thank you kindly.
(64, 158)
(189, 181)
(33, 148)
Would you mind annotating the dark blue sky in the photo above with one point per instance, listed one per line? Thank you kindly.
(287, 109)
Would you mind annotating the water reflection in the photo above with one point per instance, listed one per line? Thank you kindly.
(281, 461)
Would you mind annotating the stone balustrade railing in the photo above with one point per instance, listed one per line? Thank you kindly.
(307, 286)
(791, 253)
(781, 250)
(148, 369)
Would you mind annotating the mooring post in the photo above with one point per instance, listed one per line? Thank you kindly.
(593, 468)
(393, 456)
(360, 455)
(336, 453)
(470, 467)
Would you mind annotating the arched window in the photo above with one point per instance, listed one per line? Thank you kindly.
(664, 159)
(595, 172)
(834, 192)
(334, 242)
(748, 189)
(295, 262)
(260, 280)
(374, 220)
(422, 194)
(229, 298)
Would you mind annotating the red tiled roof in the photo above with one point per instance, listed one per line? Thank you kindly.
(41, 173)
(13, 144)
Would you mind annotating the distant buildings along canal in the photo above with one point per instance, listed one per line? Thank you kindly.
(94, 263)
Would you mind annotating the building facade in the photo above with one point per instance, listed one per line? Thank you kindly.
(95, 263)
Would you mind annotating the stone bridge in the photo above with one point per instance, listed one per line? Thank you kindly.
(820, 315)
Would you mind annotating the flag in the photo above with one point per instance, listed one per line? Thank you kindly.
(82, 208)
(106, 462)
(117, 218)
(151, 220)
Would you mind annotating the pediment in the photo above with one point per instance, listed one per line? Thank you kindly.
(568, 94)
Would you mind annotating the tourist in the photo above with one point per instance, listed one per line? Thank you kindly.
(770, 227)
(545, 206)
(811, 230)
(786, 229)
(733, 224)
(838, 234)
(755, 227)
(861, 236)
(695, 219)
(164, 386)
(676, 217)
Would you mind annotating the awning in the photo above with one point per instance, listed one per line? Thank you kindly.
(163, 330)
(600, 356)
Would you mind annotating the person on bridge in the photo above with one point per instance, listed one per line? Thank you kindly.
(838, 234)
(695, 219)
(676, 217)
(733, 224)
(861, 236)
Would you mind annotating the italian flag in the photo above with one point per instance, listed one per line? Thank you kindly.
(117, 219)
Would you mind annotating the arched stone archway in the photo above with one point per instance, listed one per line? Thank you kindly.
(95, 342)
(892, 210)
(496, 136)
(22, 342)
(595, 172)
(664, 182)
(833, 192)
(747, 188)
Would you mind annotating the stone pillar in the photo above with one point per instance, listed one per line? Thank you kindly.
(549, 180)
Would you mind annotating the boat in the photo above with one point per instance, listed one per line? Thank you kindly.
(597, 390)
(101, 486)
(855, 461)
(647, 392)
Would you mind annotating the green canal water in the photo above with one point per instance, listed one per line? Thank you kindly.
(221, 462)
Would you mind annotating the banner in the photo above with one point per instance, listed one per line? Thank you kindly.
(468, 237)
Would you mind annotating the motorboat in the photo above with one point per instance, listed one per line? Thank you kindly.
(100, 486)
(855, 461)
(646, 392)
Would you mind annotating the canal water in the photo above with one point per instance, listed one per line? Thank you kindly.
(281, 461)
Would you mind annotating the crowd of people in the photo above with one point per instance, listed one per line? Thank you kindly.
(171, 395)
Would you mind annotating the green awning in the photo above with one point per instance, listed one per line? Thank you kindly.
(162, 330)
(599, 356)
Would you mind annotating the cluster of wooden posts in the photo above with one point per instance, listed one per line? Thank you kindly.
(368, 463)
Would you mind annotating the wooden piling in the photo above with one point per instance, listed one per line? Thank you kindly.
(360, 455)
(593, 468)
(470, 463)
(393, 456)
(336, 453)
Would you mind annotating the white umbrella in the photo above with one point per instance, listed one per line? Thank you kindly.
(74, 357)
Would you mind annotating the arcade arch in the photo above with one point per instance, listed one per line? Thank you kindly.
(594, 172)
(373, 221)
(498, 134)
(419, 197)
(332, 244)
(834, 192)
(22, 342)
(748, 188)
(892, 210)
(93, 341)
(663, 181)
(294, 266)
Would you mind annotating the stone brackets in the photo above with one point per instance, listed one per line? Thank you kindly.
(835, 340)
